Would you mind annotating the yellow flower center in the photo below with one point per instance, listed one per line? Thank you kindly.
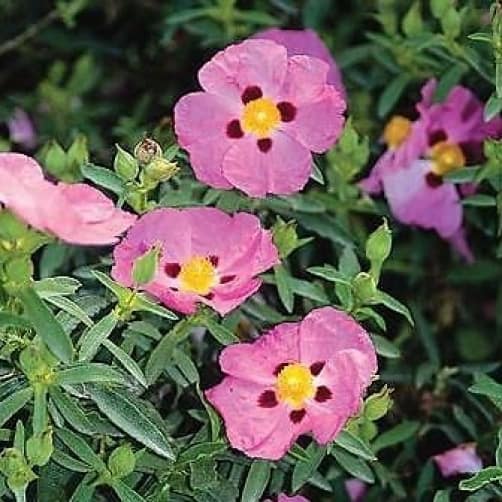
(260, 117)
(295, 385)
(198, 276)
(446, 157)
(396, 131)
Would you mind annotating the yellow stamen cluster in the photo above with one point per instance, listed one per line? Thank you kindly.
(197, 275)
(446, 157)
(260, 117)
(396, 131)
(295, 384)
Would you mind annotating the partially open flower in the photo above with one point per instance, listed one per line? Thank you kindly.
(258, 119)
(206, 256)
(75, 213)
(446, 137)
(462, 459)
(298, 378)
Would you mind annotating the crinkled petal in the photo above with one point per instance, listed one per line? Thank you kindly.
(462, 459)
(284, 169)
(356, 489)
(258, 361)
(259, 63)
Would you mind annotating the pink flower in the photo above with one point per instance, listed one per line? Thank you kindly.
(21, 130)
(207, 256)
(284, 498)
(306, 43)
(77, 214)
(300, 377)
(447, 136)
(258, 119)
(356, 489)
(462, 459)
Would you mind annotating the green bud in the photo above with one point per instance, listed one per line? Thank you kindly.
(368, 430)
(77, 155)
(125, 165)
(11, 228)
(451, 23)
(122, 461)
(412, 22)
(159, 170)
(54, 159)
(147, 150)
(32, 363)
(19, 271)
(11, 461)
(379, 244)
(377, 405)
(364, 287)
(439, 7)
(39, 448)
(285, 237)
(144, 267)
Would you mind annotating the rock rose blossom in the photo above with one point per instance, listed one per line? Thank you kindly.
(306, 43)
(77, 214)
(356, 489)
(21, 129)
(259, 117)
(446, 137)
(207, 256)
(302, 377)
(462, 459)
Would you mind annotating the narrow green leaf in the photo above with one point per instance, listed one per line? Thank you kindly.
(329, 273)
(353, 465)
(11, 405)
(256, 481)
(127, 362)
(80, 448)
(355, 445)
(384, 347)
(482, 478)
(390, 96)
(104, 177)
(395, 305)
(129, 414)
(142, 302)
(125, 493)
(71, 411)
(71, 308)
(96, 335)
(89, 373)
(304, 471)
(284, 287)
(46, 325)
(398, 434)
(220, 332)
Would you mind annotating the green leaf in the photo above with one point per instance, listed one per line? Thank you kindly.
(129, 414)
(12, 404)
(482, 478)
(81, 449)
(353, 465)
(220, 332)
(492, 107)
(395, 305)
(104, 178)
(305, 470)
(317, 174)
(449, 80)
(392, 93)
(96, 335)
(12, 320)
(480, 200)
(142, 302)
(73, 414)
(384, 347)
(89, 373)
(127, 362)
(119, 291)
(56, 286)
(329, 273)
(488, 387)
(442, 496)
(398, 434)
(284, 287)
(71, 308)
(125, 493)
(256, 481)
(124, 164)
(46, 325)
(145, 266)
(354, 444)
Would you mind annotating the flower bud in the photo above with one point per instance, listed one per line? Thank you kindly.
(379, 244)
(160, 169)
(147, 150)
(377, 405)
(125, 165)
(39, 448)
(122, 461)
(364, 287)
(285, 237)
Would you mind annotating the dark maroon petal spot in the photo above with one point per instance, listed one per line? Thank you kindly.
(473, 152)
(227, 278)
(437, 136)
(214, 260)
(322, 394)
(280, 368)
(316, 368)
(172, 269)
(267, 399)
(264, 144)
(234, 129)
(433, 180)
(251, 93)
(287, 110)
(470, 108)
(209, 296)
(296, 416)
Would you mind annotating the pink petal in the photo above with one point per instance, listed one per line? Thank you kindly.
(257, 431)
(356, 489)
(229, 296)
(284, 169)
(307, 43)
(294, 498)
(259, 63)
(258, 361)
(327, 331)
(459, 242)
(201, 121)
(414, 202)
(462, 459)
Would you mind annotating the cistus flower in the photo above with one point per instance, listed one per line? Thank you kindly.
(260, 115)
(284, 498)
(303, 377)
(306, 43)
(21, 129)
(74, 213)
(356, 489)
(462, 459)
(446, 137)
(206, 256)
